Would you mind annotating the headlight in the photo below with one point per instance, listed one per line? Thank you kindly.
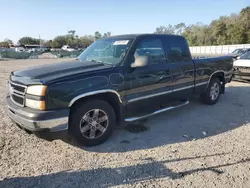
(38, 90)
(40, 105)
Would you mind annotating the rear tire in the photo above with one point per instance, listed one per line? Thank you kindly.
(212, 93)
(92, 122)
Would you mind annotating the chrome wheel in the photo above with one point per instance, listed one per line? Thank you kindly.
(215, 91)
(94, 123)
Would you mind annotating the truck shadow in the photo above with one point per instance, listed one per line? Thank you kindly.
(147, 169)
(192, 122)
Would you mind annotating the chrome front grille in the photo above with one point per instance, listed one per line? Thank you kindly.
(242, 69)
(17, 93)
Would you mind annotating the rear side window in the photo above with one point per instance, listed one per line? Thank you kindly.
(177, 49)
(153, 48)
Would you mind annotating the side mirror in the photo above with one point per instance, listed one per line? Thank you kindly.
(141, 61)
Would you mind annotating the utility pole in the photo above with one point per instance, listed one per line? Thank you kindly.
(40, 41)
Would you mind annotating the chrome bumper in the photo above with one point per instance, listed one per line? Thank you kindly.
(38, 121)
(52, 125)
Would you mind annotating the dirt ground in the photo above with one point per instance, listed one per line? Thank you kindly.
(194, 146)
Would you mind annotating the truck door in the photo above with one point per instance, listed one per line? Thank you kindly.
(182, 66)
(146, 85)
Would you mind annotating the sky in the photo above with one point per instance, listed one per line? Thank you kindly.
(49, 18)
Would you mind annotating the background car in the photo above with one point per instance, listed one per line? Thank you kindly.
(239, 52)
(242, 67)
(67, 48)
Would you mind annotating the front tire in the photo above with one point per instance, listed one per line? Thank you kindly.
(212, 94)
(92, 122)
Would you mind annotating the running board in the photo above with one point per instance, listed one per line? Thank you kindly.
(131, 119)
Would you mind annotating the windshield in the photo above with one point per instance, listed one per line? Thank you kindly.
(107, 51)
(238, 51)
(245, 56)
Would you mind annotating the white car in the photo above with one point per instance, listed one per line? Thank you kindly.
(67, 48)
(242, 68)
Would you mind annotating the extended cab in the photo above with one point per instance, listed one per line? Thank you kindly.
(128, 77)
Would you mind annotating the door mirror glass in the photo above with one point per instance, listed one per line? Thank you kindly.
(141, 61)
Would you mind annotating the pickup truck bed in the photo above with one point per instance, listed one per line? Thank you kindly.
(213, 65)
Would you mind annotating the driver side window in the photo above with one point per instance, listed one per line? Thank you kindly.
(152, 48)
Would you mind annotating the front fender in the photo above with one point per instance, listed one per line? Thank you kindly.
(63, 95)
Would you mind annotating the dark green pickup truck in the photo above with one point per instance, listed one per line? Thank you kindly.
(119, 78)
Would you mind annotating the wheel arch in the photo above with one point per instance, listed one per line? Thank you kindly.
(108, 95)
(220, 74)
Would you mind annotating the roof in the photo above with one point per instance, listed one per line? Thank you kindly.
(140, 35)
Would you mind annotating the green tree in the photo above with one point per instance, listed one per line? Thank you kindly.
(244, 18)
(165, 30)
(233, 29)
(72, 32)
(4, 44)
(70, 40)
(10, 42)
(28, 40)
(97, 35)
(160, 30)
(108, 34)
(73, 40)
(193, 34)
(85, 41)
(59, 41)
(179, 28)
(219, 30)
(47, 43)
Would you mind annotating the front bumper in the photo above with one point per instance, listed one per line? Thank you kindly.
(241, 76)
(41, 123)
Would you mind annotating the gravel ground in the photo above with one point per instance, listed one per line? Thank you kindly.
(194, 146)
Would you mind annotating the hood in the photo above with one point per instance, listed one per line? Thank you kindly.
(45, 73)
(242, 63)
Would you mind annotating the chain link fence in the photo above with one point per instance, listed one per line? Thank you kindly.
(38, 54)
